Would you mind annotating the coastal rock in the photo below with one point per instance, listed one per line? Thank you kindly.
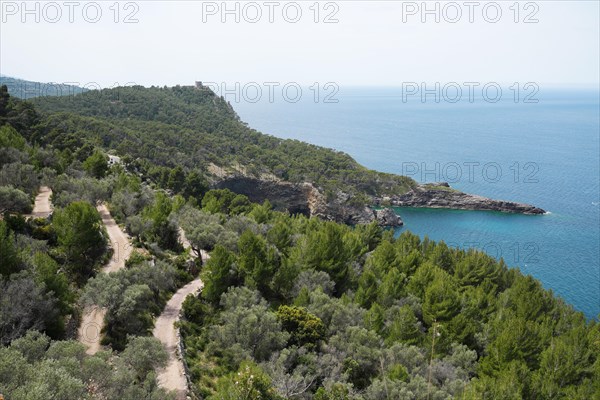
(342, 209)
(443, 196)
(438, 184)
(387, 217)
(307, 199)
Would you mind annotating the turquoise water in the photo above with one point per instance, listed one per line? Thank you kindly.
(546, 154)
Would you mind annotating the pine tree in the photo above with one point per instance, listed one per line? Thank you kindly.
(217, 274)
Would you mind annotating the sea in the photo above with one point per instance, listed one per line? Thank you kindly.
(530, 145)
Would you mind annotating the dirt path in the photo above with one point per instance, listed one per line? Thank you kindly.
(172, 377)
(93, 318)
(90, 328)
(42, 207)
(120, 241)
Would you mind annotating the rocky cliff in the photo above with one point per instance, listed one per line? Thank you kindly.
(305, 198)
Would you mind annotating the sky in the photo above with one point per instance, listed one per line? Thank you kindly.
(352, 43)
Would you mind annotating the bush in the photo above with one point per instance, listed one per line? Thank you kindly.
(305, 328)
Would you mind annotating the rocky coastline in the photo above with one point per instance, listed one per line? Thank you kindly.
(305, 198)
(441, 195)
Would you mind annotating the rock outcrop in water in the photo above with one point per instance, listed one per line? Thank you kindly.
(387, 217)
(307, 199)
(441, 195)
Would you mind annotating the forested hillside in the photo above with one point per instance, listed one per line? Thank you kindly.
(301, 308)
(24, 89)
(292, 307)
(190, 127)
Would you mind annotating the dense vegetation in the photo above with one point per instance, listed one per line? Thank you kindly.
(49, 270)
(43, 263)
(292, 307)
(301, 308)
(34, 367)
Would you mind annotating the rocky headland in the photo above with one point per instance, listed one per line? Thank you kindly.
(305, 198)
(441, 195)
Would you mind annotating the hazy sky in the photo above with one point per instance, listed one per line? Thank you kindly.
(372, 42)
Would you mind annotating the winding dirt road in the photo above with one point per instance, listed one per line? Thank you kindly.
(42, 207)
(172, 377)
(93, 317)
(92, 320)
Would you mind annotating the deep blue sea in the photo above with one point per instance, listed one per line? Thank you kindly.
(545, 153)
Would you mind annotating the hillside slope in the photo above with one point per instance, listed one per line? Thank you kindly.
(189, 127)
(24, 89)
